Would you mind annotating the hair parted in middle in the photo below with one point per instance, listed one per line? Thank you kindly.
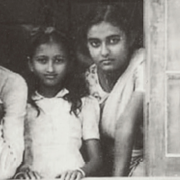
(74, 81)
(116, 14)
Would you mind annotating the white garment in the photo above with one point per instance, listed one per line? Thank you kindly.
(116, 101)
(122, 92)
(13, 97)
(55, 136)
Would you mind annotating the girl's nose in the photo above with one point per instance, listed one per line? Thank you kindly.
(50, 67)
(104, 50)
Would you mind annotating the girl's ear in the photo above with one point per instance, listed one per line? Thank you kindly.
(30, 64)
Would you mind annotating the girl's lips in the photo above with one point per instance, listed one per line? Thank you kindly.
(50, 76)
(107, 61)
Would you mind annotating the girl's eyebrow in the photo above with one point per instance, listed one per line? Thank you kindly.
(115, 36)
(62, 56)
(40, 56)
(93, 39)
(110, 36)
(58, 55)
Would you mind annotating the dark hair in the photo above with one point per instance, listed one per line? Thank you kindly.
(74, 81)
(118, 15)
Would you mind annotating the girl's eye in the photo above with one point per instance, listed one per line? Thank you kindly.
(59, 60)
(42, 60)
(95, 43)
(114, 40)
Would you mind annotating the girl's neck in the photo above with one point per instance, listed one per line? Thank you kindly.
(108, 80)
(49, 92)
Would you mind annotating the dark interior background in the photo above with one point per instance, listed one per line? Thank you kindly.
(19, 17)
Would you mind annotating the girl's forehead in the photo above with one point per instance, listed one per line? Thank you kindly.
(103, 29)
(51, 47)
(51, 43)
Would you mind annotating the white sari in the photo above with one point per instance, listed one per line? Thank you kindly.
(120, 95)
(117, 100)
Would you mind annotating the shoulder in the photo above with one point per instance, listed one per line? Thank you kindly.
(90, 116)
(139, 54)
(137, 59)
(90, 106)
(89, 101)
(140, 70)
(10, 77)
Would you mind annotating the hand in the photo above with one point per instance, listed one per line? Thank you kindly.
(28, 175)
(71, 175)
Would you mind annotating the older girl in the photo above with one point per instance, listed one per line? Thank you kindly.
(116, 80)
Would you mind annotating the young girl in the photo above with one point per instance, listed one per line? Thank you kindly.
(116, 80)
(60, 114)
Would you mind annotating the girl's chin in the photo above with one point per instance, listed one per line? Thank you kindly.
(108, 69)
(50, 84)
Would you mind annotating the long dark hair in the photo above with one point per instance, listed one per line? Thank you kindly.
(74, 81)
(116, 14)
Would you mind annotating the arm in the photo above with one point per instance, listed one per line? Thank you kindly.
(124, 135)
(91, 116)
(90, 134)
(28, 156)
(24, 171)
(14, 98)
(94, 164)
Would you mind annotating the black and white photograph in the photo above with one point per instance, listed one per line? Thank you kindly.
(89, 89)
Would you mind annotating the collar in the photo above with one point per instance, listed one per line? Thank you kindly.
(60, 94)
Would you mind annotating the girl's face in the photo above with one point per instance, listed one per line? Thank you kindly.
(49, 64)
(107, 46)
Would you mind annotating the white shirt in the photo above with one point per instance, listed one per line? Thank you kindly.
(55, 136)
